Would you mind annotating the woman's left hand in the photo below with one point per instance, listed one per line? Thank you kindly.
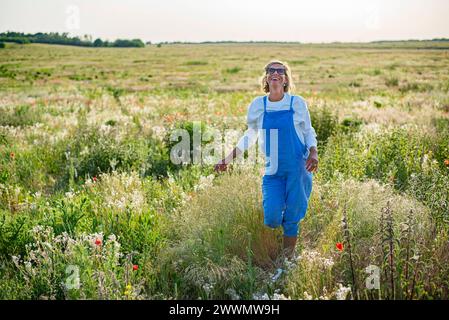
(312, 160)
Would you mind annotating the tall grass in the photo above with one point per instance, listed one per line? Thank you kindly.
(221, 240)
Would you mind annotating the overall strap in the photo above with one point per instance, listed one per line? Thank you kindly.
(265, 104)
(291, 103)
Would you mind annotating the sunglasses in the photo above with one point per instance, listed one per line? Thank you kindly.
(280, 71)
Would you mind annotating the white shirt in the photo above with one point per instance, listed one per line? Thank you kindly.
(301, 120)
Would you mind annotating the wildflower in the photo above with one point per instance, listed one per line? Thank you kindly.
(94, 179)
(135, 267)
(16, 260)
(204, 182)
(446, 162)
(70, 195)
(342, 292)
(128, 289)
(281, 296)
(207, 287)
(234, 296)
(289, 264)
(324, 296)
(159, 132)
(98, 242)
(307, 296)
(327, 263)
(260, 296)
(339, 246)
(12, 155)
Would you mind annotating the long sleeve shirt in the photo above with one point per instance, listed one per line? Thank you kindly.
(301, 119)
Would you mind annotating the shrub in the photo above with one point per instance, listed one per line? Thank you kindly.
(350, 124)
(324, 122)
(91, 151)
(191, 128)
(14, 234)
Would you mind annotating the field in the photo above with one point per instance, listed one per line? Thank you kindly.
(92, 208)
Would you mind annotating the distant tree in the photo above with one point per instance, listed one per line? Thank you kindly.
(128, 43)
(98, 43)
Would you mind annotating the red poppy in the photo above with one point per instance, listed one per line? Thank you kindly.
(135, 267)
(98, 242)
(94, 179)
(446, 162)
(339, 246)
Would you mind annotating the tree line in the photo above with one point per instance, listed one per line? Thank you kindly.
(65, 39)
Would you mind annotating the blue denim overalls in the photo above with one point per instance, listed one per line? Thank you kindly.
(286, 185)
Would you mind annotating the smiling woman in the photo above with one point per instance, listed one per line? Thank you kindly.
(281, 122)
(282, 69)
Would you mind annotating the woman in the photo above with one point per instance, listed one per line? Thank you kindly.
(289, 143)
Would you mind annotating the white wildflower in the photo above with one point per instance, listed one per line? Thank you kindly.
(159, 132)
(281, 296)
(37, 229)
(70, 195)
(328, 263)
(342, 292)
(261, 296)
(85, 151)
(307, 296)
(16, 260)
(208, 287)
(113, 163)
(234, 296)
(204, 182)
(314, 257)
(324, 296)
(290, 264)
(89, 182)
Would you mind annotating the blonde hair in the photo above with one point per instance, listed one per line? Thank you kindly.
(264, 84)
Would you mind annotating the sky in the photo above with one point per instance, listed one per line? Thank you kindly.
(238, 20)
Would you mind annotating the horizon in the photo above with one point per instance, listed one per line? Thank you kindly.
(444, 39)
(320, 22)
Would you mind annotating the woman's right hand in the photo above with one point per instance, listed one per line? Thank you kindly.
(221, 166)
